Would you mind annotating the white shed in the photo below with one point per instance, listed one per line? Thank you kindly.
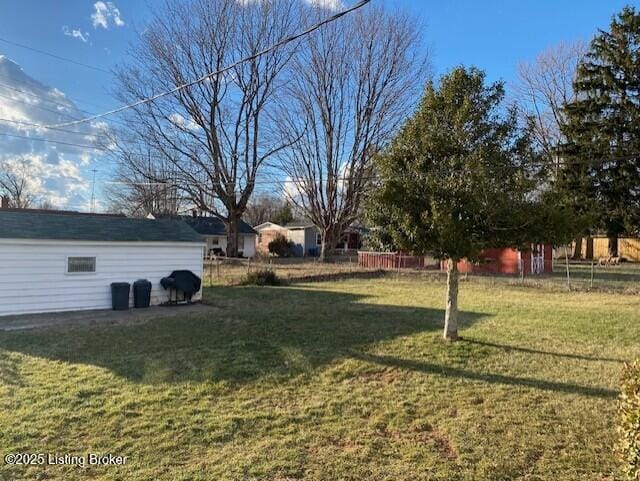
(63, 261)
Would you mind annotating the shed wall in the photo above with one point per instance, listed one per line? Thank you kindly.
(33, 274)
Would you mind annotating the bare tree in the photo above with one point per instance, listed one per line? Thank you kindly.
(143, 181)
(267, 207)
(213, 133)
(351, 85)
(544, 87)
(14, 183)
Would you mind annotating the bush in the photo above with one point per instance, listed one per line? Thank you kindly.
(629, 421)
(265, 277)
(280, 246)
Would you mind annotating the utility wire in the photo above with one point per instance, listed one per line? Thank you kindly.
(177, 89)
(40, 97)
(38, 139)
(53, 55)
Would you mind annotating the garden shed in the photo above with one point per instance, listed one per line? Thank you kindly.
(538, 259)
(62, 261)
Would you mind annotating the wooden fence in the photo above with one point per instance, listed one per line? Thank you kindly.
(393, 260)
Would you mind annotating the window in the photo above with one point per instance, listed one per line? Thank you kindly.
(318, 239)
(215, 241)
(79, 265)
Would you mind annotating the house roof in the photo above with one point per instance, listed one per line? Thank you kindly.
(299, 224)
(26, 224)
(267, 225)
(214, 226)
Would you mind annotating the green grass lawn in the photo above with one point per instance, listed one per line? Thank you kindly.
(331, 380)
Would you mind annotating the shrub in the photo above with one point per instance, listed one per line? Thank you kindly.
(280, 246)
(264, 277)
(629, 421)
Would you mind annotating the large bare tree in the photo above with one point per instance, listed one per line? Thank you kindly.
(144, 182)
(213, 133)
(544, 87)
(14, 183)
(351, 85)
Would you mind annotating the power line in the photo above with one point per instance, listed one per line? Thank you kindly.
(38, 139)
(40, 97)
(177, 89)
(53, 55)
(31, 124)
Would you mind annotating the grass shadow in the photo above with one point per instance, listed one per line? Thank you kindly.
(492, 378)
(256, 332)
(508, 348)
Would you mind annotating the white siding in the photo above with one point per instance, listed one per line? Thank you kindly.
(247, 244)
(33, 274)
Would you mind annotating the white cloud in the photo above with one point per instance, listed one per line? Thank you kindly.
(82, 36)
(328, 4)
(105, 14)
(60, 170)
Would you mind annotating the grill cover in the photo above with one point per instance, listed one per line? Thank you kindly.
(185, 281)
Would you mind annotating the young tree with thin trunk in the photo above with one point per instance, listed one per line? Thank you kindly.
(215, 134)
(351, 85)
(460, 177)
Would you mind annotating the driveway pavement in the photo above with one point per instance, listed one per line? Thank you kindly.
(103, 316)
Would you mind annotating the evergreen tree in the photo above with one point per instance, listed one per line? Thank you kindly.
(459, 178)
(601, 173)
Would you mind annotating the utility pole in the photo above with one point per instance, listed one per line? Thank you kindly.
(93, 191)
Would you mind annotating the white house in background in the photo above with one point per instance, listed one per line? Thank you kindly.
(62, 261)
(305, 237)
(215, 233)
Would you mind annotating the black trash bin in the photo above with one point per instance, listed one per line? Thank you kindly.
(120, 296)
(141, 293)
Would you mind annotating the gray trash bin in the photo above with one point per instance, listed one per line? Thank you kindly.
(120, 295)
(141, 293)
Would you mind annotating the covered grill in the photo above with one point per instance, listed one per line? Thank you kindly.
(181, 281)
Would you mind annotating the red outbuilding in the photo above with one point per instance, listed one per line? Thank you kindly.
(536, 260)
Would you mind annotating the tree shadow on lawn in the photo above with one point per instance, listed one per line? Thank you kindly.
(257, 332)
(493, 378)
(508, 347)
(253, 333)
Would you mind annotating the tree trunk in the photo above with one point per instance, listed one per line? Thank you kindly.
(613, 245)
(233, 228)
(451, 312)
(577, 250)
(327, 244)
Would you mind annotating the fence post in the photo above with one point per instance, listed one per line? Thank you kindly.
(566, 258)
(210, 269)
(591, 278)
(522, 271)
(217, 267)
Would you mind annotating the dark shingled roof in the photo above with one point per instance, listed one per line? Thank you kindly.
(25, 224)
(214, 226)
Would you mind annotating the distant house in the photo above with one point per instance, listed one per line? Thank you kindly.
(215, 233)
(62, 261)
(305, 236)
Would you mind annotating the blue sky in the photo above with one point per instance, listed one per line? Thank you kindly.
(494, 35)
